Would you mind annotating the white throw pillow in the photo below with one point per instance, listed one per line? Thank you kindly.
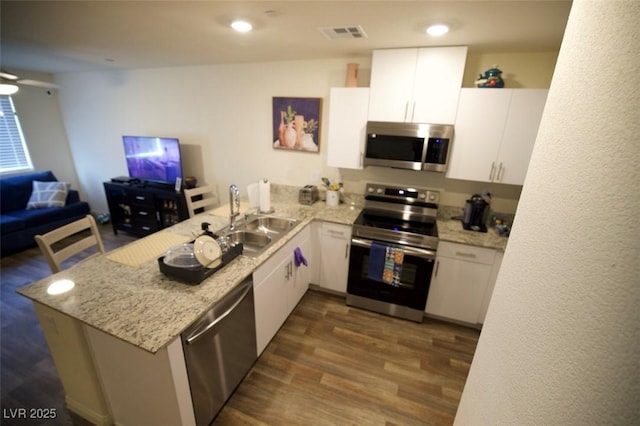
(48, 194)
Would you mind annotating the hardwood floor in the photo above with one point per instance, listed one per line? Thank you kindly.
(330, 364)
(28, 376)
(334, 365)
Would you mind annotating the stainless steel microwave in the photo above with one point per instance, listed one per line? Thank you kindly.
(413, 146)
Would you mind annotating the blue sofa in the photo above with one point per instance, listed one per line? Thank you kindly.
(18, 225)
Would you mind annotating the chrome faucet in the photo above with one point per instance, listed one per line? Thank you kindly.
(234, 205)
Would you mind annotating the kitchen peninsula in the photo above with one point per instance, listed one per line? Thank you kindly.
(122, 302)
(131, 314)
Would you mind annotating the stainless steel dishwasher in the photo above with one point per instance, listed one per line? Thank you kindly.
(219, 349)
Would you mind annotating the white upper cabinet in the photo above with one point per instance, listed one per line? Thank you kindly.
(495, 131)
(416, 85)
(392, 76)
(348, 108)
(520, 132)
(478, 133)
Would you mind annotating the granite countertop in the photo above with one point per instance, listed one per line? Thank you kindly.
(142, 306)
(451, 230)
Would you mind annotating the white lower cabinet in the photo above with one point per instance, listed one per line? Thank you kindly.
(459, 283)
(488, 293)
(278, 286)
(335, 241)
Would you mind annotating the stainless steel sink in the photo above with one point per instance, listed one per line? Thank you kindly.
(253, 242)
(258, 232)
(270, 224)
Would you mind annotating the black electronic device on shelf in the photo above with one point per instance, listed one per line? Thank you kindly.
(128, 180)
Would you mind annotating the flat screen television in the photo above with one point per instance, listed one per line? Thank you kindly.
(153, 159)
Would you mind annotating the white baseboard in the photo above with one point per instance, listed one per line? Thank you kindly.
(98, 419)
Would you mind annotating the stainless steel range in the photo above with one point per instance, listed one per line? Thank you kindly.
(393, 249)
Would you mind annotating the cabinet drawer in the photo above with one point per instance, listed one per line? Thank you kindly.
(138, 227)
(466, 253)
(336, 231)
(140, 198)
(146, 227)
(143, 213)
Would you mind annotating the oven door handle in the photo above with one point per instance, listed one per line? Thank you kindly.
(412, 251)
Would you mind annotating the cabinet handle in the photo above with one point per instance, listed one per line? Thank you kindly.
(339, 233)
(143, 213)
(469, 255)
(437, 267)
(288, 271)
(493, 169)
(140, 197)
(406, 110)
(346, 251)
(500, 170)
(413, 110)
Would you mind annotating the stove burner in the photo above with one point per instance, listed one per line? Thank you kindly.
(426, 227)
(405, 216)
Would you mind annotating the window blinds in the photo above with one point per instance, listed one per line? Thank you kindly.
(14, 155)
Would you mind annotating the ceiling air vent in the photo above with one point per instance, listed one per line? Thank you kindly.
(353, 31)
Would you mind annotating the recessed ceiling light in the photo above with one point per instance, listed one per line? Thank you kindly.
(437, 30)
(241, 26)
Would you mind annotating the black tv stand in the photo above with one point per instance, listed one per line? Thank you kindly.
(158, 185)
(143, 208)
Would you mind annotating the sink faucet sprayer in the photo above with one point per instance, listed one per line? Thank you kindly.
(234, 200)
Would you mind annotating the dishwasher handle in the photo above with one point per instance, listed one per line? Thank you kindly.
(193, 338)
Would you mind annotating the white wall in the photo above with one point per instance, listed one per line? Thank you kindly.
(532, 70)
(221, 113)
(561, 340)
(41, 120)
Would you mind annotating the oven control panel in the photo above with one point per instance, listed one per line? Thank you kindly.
(401, 193)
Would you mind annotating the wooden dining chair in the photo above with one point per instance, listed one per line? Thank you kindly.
(201, 199)
(69, 240)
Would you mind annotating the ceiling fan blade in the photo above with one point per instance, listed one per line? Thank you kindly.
(8, 75)
(37, 83)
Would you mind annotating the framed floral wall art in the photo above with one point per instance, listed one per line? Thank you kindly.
(296, 123)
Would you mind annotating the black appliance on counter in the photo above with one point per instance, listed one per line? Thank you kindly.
(400, 218)
(476, 214)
